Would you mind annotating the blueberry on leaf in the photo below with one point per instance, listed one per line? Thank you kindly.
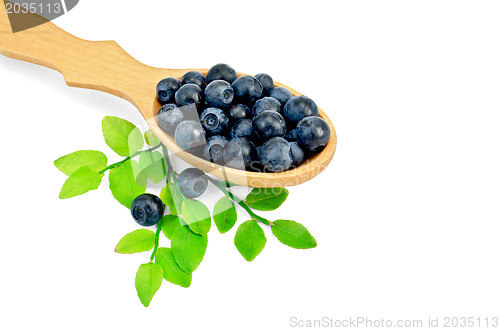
(147, 209)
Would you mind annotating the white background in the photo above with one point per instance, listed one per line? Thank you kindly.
(406, 216)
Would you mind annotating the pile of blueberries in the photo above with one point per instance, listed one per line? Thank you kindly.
(240, 122)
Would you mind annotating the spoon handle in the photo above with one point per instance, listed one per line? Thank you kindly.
(99, 65)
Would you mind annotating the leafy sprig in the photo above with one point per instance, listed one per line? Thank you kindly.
(189, 221)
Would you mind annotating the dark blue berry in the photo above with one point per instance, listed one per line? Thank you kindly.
(188, 94)
(298, 154)
(221, 71)
(242, 128)
(239, 112)
(276, 154)
(291, 135)
(299, 107)
(266, 103)
(214, 150)
(194, 77)
(239, 153)
(166, 88)
(169, 116)
(189, 135)
(214, 120)
(219, 93)
(247, 89)
(281, 94)
(269, 124)
(147, 209)
(313, 134)
(267, 83)
(192, 182)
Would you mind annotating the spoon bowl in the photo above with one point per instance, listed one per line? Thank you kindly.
(105, 66)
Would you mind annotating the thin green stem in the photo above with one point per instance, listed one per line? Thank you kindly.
(171, 171)
(222, 186)
(157, 239)
(117, 164)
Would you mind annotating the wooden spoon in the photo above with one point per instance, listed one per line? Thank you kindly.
(105, 66)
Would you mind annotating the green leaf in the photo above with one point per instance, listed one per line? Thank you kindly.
(121, 136)
(123, 183)
(266, 198)
(137, 241)
(150, 138)
(70, 163)
(171, 270)
(152, 165)
(147, 281)
(172, 197)
(81, 181)
(224, 214)
(188, 248)
(250, 240)
(197, 216)
(170, 223)
(293, 234)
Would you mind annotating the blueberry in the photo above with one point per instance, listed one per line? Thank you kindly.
(269, 124)
(188, 94)
(313, 134)
(169, 116)
(147, 209)
(298, 154)
(247, 89)
(242, 128)
(258, 150)
(267, 83)
(214, 150)
(219, 93)
(214, 120)
(189, 135)
(192, 182)
(276, 154)
(239, 153)
(221, 71)
(194, 77)
(266, 103)
(239, 112)
(166, 88)
(281, 94)
(291, 135)
(299, 107)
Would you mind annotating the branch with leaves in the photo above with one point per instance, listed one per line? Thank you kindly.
(189, 220)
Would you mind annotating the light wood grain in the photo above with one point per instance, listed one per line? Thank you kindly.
(105, 66)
